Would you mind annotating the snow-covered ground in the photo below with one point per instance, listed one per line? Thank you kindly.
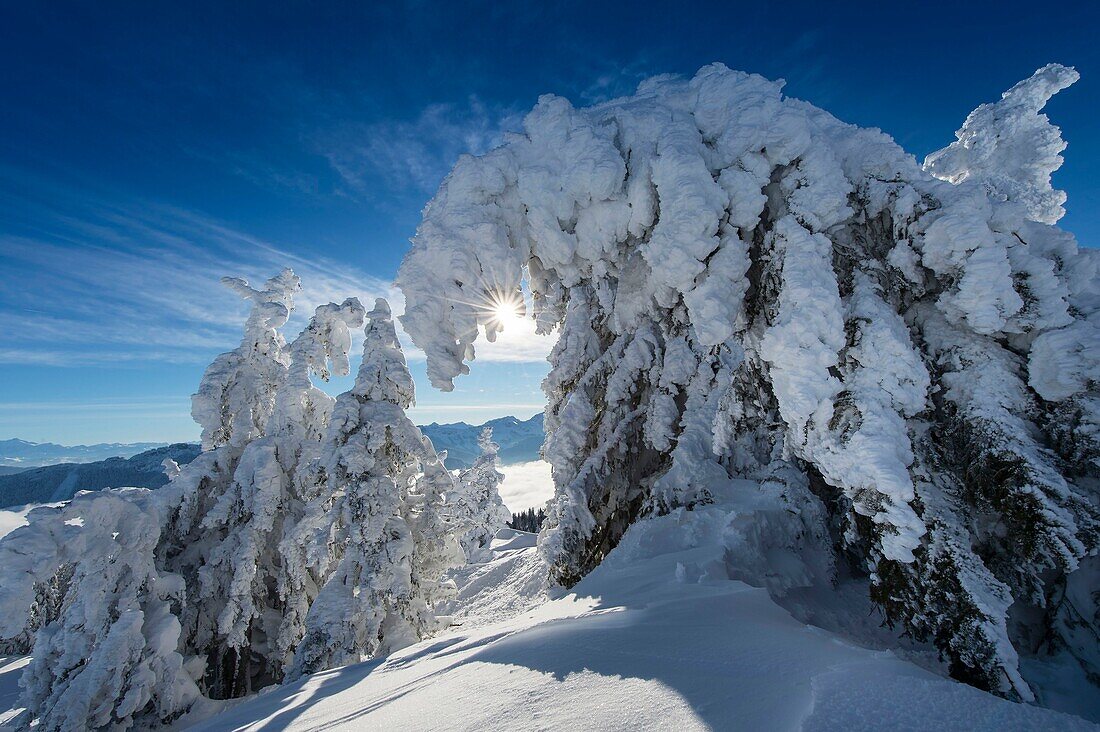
(11, 668)
(658, 637)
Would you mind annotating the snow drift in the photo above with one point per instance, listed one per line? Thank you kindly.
(660, 636)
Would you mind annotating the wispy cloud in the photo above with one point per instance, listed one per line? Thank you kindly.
(114, 404)
(138, 282)
(612, 80)
(87, 281)
(414, 154)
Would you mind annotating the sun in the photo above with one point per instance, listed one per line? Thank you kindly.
(506, 309)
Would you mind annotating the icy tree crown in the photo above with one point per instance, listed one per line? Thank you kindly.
(1010, 148)
(659, 190)
(383, 375)
(321, 349)
(235, 396)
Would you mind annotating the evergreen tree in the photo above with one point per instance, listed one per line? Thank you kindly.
(234, 406)
(359, 538)
(746, 287)
(255, 554)
(36, 567)
(244, 584)
(476, 501)
(235, 396)
(108, 659)
(530, 520)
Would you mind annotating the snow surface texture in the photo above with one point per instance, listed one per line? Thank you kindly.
(668, 633)
(747, 287)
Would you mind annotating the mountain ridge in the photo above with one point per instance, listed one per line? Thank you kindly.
(19, 453)
(520, 441)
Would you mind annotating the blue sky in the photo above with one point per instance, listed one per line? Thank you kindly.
(146, 150)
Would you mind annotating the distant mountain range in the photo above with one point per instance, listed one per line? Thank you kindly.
(519, 440)
(24, 479)
(23, 454)
(61, 482)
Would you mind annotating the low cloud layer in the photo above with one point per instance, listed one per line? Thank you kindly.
(526, 485)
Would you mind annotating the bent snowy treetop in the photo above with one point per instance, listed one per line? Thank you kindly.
(655, 189)
(1011, 148)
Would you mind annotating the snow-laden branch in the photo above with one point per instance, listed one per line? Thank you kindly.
(1011, 148)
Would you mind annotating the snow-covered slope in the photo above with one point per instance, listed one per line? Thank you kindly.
(61, 482)
(658, 637)
(519, 440)
(24, 454)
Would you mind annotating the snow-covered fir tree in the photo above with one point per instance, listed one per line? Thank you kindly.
(198, 566)
(746, 287)
(245, 587)
(36, 565)
(108, 659)
(374, 511)
(200, 507)
(235, 396)
(435, 528)
(476, 500)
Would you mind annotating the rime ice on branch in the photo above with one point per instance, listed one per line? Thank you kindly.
(747, 287)
(1010, 148)
(265, 500)
(109, 657)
